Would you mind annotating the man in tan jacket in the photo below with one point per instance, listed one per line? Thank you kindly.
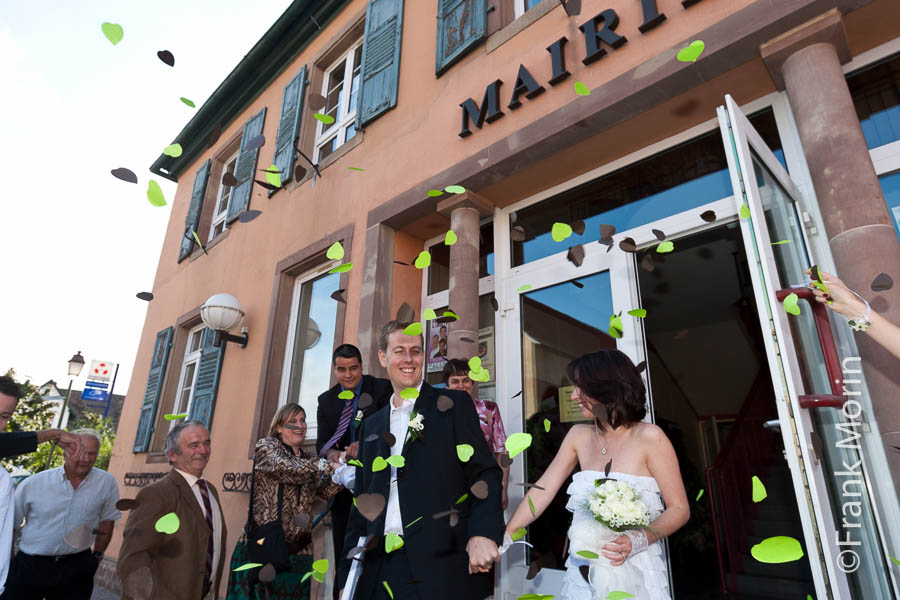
(185, 564)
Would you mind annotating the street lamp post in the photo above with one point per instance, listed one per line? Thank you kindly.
(76, 363)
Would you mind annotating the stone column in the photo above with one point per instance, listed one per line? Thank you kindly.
(806, 62)
(465, 211)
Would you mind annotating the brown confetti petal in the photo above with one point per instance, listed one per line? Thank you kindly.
(124, 174)
(530, 485)
(513, 217)
(338, 295)
(445, 513)
(535, 567)
(659, 234)
(400, 262)
(167, 57)
(365, 401)
(370, 505)
(319, 506)
(267, 573)
(585, 570)
(373, 437)
(256, 142)
(480, 489)
(468, 340)
(139, 584)
(266, 185)
(444, 403)
(316, 102)
(354, 551)
(127, 504)
(299, 173)
(578, 227)
(708, 215)
(647, 263)
(505, 460)
(229, 180)
(214, 135)
(290, 427)
(573, 7)
(577, 284)
(517, 394)
(576, 255)
(145, 296)
(641, 366)
(882, 283)
(371, 542)
(607, 468)
(628, 245)
(454, 519)
(80, 537)
(607, 231)
(517, 234)
(389, 438)
(406, 313)
(248, 215)
(494, 304)
(301, 520)
(171, 547)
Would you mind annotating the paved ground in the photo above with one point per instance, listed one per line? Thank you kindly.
(103, 594)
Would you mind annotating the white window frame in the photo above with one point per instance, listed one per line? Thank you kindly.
(346, 114)
(189, 358)
(520, 7)
(299, 281)
(221, 217)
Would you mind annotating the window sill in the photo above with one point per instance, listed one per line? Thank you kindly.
(327, 161)
(197, 253)
(502, 36)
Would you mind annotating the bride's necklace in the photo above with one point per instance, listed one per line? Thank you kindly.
(608, 443)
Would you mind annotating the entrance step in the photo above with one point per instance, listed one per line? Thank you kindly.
(774, 588)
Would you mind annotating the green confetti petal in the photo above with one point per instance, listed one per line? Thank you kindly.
(429, 314)
(320, 566)
(247, 566)
(423, 260)
(413, 329)
(346, 395)
(475, 363)
(518, 534)
(759, 490)
(449, 314)
(306, 576)
(392, 541)
(587, 554)
(517, 443)
(581, 89)
(188, 102)
(531, 506)
(413, 522)
(454, 189)
(379, 464)
(463, 498)
(617, 595)
(388, 588)
(155, 194)
(174, 417)
(778, 549)
(781, 242)
(790, 304)
(535, 597)
(744, 212)
(273, 178)
(560, 231)
(691, 52)
(196, 238)
(524, 288)
(355, 462)
(168, 523)
(640, 313)
(335, 251)
(409, 393)
(450, 238)
(342, 268)
(435, 193)
(464, 452)
(699, 495)
(396, 460)
(547, 425)
(113, 32)
(665, 247)
(615, 326)
(895, 561)
(320, 577)
(482, 375)
(327, 119)
(173, 150)
(354, 169)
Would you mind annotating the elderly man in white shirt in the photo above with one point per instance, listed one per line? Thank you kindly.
(64, 510)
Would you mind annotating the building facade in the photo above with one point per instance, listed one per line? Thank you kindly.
(693, 157)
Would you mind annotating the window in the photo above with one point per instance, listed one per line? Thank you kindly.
(223, 196)
(523, 6)
(341, 91)
(188, 378)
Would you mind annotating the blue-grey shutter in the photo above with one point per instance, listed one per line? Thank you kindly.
(193, 216)
(461, 25)
(245, 169)
(289, 125)
(154, 387)
(380, 59)
(207, 385)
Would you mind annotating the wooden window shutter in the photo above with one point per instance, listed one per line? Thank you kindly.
(461, 25)
(193, 217)
(245, 169)
(154, 387)
(380, 59)
(289, 125)
(207, 386)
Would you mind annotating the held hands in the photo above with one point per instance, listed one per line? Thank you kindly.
(352, 450)
(483, 554)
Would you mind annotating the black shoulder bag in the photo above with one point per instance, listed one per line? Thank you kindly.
(266, 543)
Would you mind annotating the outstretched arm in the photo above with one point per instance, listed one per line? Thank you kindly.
(552, 479)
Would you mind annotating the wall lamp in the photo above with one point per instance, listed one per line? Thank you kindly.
(222, 313)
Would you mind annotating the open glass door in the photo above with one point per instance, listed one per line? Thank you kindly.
(551, 312)
(825, 464)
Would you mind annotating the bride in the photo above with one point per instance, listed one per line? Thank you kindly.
(609, 390)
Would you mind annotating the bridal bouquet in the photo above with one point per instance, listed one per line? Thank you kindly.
(618, 506)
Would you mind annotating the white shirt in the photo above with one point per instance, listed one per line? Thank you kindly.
(216, 518)
(7, 512)
(52, 508)
(393, 520)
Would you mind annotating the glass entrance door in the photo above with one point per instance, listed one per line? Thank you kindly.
(826, 466)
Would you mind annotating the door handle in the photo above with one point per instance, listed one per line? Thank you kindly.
(773, 425)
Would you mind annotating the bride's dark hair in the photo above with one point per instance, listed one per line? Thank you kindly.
(610, 378)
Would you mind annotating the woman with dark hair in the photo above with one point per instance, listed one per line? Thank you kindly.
(609, 390)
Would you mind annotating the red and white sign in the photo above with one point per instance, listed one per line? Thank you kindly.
(101, 370)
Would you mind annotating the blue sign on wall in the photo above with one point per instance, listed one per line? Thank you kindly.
(94, 394)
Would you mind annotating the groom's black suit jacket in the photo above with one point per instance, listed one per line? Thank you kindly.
(431, 481)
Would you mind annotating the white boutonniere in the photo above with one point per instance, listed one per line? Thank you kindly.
(358, 419)
(416, 425)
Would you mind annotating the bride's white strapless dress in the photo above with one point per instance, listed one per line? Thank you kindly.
(643, 575)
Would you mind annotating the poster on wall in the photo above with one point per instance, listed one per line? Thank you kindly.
(437, 347)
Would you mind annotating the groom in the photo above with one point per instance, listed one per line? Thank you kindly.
(446, 511)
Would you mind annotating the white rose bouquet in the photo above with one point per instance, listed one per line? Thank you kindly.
(618, 506)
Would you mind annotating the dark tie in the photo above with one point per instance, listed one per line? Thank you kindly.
(343, 423)
(207, 577)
